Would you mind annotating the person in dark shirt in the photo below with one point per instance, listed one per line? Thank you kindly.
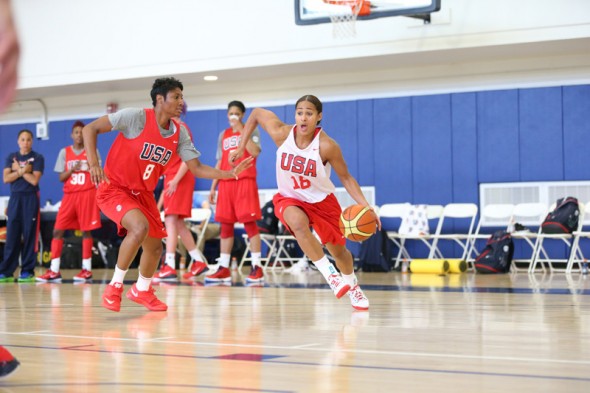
(22, 170)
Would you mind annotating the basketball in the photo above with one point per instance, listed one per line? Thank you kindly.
(358, 223)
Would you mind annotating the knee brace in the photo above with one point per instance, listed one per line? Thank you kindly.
(227, 230)
(251, 229)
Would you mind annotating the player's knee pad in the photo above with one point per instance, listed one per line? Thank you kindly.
(227, 230)
(251, 229)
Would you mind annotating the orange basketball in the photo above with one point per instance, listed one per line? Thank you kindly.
(358, 223)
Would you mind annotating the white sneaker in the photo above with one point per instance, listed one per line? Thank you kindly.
(338, 285)
(358, 299)
(301, 266)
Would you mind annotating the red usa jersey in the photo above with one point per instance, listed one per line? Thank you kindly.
(301, 173)
(79, 180)
(229, 143)
(138, 163)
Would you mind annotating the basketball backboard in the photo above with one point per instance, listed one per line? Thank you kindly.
(311, 12)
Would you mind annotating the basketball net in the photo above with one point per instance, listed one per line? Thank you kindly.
(343, 16)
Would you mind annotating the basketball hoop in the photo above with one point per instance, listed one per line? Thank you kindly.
(343, 14)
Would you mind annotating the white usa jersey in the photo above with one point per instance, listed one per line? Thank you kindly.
(301, 173)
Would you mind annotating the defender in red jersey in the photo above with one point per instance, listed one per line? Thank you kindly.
(147, 142)
(177, 198)
(305, 157)
(78, 209)
(237, 199)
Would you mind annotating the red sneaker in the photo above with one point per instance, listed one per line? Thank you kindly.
(197, 268)
(84, 275)
(166, 273)
(8, 363)
(147, 299)
(223, 274)
(111, 297)
(49, 276)
(256, 275)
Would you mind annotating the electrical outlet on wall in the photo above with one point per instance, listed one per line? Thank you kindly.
(42, 131)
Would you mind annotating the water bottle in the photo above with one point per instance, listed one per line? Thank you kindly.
(234, 264)
(585, 267)
(405, 266)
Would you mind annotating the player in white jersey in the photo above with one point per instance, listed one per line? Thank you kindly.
(305, 157)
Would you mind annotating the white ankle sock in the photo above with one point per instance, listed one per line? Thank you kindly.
(196, 255)
(350, 279)
(118, 276)
(171, 259)
(87, 264)
(224, 260)
(143, 283)
(55, 265)
(325, 267)
(256, 258)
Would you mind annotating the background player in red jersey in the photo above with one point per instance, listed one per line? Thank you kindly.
(177, 199)
(237, 200)
(306, 198)
(148, 140)
(78, 209)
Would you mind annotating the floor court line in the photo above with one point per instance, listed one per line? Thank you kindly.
(427, 370)
(142, 386)
(306, 348)
(319, 364)
(389, 287)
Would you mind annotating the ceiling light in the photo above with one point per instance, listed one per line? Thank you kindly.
(210, 78)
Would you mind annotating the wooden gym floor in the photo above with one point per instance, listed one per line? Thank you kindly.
(459, 333)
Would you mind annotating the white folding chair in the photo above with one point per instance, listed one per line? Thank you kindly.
(433, 214)
(267, 238)
(541, 255)
(462, 213)
(576, 254)
(394, 211)
(498, 214)
(531, 211)
(200, 215)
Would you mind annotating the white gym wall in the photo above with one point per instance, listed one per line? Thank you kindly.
(79, 55)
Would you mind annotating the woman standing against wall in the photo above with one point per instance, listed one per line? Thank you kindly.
(23, 170)
(237, 199)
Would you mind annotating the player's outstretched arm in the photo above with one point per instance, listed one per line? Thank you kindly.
(201, 170)
(269, 122)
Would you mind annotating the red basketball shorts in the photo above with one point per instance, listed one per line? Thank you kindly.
(115, 202)
(78, 210)
(323, 216)
(237, 201)
(181, 202)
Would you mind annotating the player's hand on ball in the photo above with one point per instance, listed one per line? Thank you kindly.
(377, 217)
(247, 163)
